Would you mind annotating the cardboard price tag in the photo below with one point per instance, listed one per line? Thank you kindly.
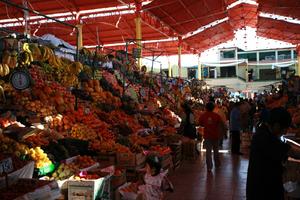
(6, 165)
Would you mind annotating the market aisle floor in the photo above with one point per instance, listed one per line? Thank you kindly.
(192, 182)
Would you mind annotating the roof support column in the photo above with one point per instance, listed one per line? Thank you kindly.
(138, 30)
(247, 72)
(179, 55)
(26, 16)
(199, 68)
(79, 36)
(298, 57)
(169, 68)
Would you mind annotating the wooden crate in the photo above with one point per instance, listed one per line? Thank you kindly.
(117, 181)
(189, 149)
(176, 154)
(108, 157)
(130, 159)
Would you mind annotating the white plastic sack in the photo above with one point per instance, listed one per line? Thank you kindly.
(24, 172)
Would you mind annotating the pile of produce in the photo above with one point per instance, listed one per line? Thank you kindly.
(22, 187)
(110, 111)
(20, 150)
(66, 170)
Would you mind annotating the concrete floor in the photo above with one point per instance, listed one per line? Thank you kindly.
(193, 182)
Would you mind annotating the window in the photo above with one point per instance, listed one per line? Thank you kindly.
(228, 54)
(283, 55)
(228, 72)
(295, 54)
(265, 56)
(249, 56)
(191, 73)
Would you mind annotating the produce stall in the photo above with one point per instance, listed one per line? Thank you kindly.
(65, 126)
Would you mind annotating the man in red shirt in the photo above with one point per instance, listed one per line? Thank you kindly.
(212, 124)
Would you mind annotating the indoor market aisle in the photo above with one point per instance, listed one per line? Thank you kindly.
(192, 182)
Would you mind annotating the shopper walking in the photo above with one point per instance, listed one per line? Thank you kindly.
(235, 128)
(189, 129)
(268, 152)
(212, 124)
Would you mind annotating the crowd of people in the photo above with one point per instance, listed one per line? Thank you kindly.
(268, 150)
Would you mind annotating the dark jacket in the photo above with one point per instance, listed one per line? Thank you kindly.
(264, 180)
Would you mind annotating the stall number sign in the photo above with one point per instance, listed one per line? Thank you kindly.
(6, 165)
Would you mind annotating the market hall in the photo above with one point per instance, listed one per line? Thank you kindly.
(149, 99)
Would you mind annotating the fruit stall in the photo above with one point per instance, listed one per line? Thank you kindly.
(68, 124)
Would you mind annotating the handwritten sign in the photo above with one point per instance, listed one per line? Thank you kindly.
(6, 165)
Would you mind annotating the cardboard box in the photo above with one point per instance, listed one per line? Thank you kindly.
(85, 189)
(72, 159)
(109, 157)
(117, 181)
(130, 159)
(127, 195)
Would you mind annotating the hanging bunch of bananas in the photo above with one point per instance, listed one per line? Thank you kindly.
(87, 70)
(25, 57)
(10, 58)
(35, 50)
(74, 68)
(85, 52)
(71, 71)
(4, 70)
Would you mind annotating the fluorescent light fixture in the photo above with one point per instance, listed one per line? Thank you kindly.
(91, 16)
(203, 28)
(123, 43)
(34, 17)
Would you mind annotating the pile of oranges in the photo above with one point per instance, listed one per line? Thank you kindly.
(84, 162)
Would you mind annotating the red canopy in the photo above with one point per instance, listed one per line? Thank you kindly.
(243, 15)
(113, 21)
(212, 36)
(289, 8)
(278, 30)
(186, 16)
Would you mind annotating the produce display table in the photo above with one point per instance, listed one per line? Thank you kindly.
(25, 189)
(24, 172)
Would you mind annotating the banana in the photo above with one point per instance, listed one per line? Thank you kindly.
(68, 68)
(45, 54)
(50, 52)
(26, 58)
(58, 61)
(35, 51)
(25, 47)
(13, 62)
(1, 70)
(52, 62)
(78, 67)
(30, 57)
(6, 57)
(6, 69)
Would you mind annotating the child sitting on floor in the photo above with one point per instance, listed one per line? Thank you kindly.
(155, 179)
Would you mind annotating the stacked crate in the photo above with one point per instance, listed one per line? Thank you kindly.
(176, 154)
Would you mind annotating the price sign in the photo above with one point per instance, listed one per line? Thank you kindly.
(6, 166)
